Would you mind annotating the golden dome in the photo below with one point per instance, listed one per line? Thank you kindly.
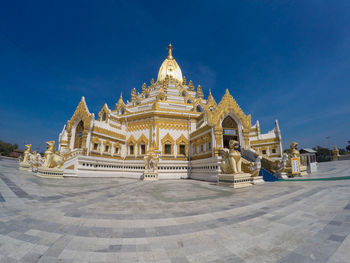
(170, 67)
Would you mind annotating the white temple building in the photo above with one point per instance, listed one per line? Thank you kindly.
(170, 115)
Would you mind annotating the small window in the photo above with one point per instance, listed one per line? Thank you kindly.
(131, 149)
(106, 148)
(167, 149)
(263, 151)
(143, 149)
(199, 108)
(146, 95)
(184, 94)
(202, 148)
(136, 103)
(183, 149)
(116, 150)
(104, 116)
(273, 150)
(95, 146)
(194, 149)
(189, 101)
(208, 146)
(121, 111)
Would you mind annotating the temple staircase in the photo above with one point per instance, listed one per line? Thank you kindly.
(268, 165)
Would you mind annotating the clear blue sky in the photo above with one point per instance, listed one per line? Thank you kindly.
(285, 60)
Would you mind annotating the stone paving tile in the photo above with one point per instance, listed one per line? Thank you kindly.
(124, 220)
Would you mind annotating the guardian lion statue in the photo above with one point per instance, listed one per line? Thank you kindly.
(293, 150)
(27, 153)
(52, 159)
(232, 160)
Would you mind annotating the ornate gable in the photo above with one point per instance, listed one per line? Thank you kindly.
(120, 106)
(105, 110)
(143, 139)
(182, 139)
(211, 103)
(228, 104)
(131, 140)
(167, 138)
(81, 112)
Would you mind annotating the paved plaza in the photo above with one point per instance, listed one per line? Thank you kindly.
(124, 220)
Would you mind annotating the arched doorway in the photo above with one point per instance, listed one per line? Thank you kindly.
(78, 140)
(230, 131)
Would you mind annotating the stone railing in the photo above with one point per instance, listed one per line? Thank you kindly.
(72, 154)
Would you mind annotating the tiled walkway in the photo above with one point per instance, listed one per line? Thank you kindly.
(124, 220)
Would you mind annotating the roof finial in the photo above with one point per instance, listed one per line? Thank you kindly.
(170, 50)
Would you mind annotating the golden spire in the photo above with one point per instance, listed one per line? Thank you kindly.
(170, 51)
(120, 101)
(170, 67)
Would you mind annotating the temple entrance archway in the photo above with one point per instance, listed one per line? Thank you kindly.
(230, 131)
(78, 139)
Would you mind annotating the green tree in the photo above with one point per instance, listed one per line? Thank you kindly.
(7, 148)
(348, 147)
(323, 154)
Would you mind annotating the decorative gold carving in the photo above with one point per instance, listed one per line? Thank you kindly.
(93, 141)
(191, 86)
(227, 105)
(114, 126)
(167, 139)
(142, 140)
(120, 106)
(131, 141)
(182, 140)
(104, 113)
(138, 126)
(211, 103)
(199, 93)
(199, 131)
(108, 133)
(161, 96)
(173, 125)
(264, 141)
(82, 113)
(201, 156)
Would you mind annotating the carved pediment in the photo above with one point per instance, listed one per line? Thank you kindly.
(228, 105)
(81, 112)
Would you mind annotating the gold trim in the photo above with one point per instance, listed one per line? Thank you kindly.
(201, 156)
(200, 130)
(108, 133)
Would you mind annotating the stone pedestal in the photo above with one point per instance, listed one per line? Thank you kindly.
(24, 167)
(150, 176)
(257, 180)
(282, 175)
(303, 170)
(235, 180)
(50, 172)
